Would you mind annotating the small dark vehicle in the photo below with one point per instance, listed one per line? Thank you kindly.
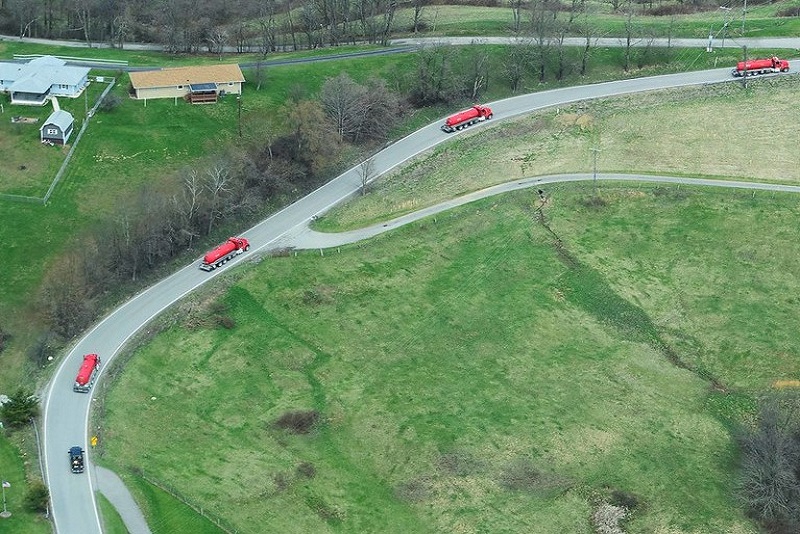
(76, 459)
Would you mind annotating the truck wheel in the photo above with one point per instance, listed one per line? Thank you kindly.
(489, 116)
(247, 248)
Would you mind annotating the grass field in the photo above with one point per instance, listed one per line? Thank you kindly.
(473, 377)
(12, 470)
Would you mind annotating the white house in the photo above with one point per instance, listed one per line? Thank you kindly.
(34, 82)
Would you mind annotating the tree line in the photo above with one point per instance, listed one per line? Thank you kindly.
(193, 26)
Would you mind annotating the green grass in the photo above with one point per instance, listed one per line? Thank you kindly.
(447, 356)
(12, 470)
(112, 522)
(170, 514)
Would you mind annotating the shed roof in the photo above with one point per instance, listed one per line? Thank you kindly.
(186, 76)
(62, 119)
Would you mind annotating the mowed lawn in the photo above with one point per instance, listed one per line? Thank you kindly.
(471, 376)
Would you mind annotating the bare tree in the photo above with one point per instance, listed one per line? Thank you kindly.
(516, 62)
(388, 18)
(366, 172)
(341, 99)
(380, 111)
(541, 28)
(269, 27)
(190, 202)
(217, 40)
(770, 464)
(516, 11)
(66, 297)
(434, 80)
(628, 34)
(416, 18)
(217, 180)
(368, 13)
(311, 135)
(478, 70)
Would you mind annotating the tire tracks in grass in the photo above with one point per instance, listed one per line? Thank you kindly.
(588, 288)
(244, 299)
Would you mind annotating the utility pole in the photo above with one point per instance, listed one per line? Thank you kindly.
(727, 10)
(744, 15)
(744, 72)
(239, 105)
(594, 150)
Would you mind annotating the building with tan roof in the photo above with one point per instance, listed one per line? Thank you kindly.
(199, 84)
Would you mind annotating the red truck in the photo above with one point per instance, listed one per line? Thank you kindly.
(220, 255)
(761, 66)
(87, 373)
(465, 118)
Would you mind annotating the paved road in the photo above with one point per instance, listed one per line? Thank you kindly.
(66, 414)
(730, 42)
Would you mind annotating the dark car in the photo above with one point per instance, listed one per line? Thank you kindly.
(76, 459)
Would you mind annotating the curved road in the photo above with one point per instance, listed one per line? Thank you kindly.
(66, 414)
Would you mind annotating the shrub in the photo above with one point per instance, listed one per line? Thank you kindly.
(110, 103)
(306, 470)
(298, 421)
(21, 407)
(770, 464)
(37, 498)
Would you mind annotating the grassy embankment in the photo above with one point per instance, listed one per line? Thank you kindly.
(472, 375)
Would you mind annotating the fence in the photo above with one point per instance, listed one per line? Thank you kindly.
(57, 178)
(224, 525)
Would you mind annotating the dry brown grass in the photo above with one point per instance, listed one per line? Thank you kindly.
(714, 131)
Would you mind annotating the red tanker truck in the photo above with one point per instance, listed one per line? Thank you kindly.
(761, 66)
(220, 255)
(465, 118)
(87, 373)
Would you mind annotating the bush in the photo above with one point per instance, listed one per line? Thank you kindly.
(37, 498)
(110, 103)
(4, 336)
(20, 409)
(298, 421)
(770, 464)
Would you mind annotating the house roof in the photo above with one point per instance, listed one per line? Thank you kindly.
(186, 76)
(38, 75)
(62, 119)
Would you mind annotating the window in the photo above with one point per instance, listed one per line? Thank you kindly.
(52, 131)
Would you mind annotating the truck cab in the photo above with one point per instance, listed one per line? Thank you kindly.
(76, 459)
